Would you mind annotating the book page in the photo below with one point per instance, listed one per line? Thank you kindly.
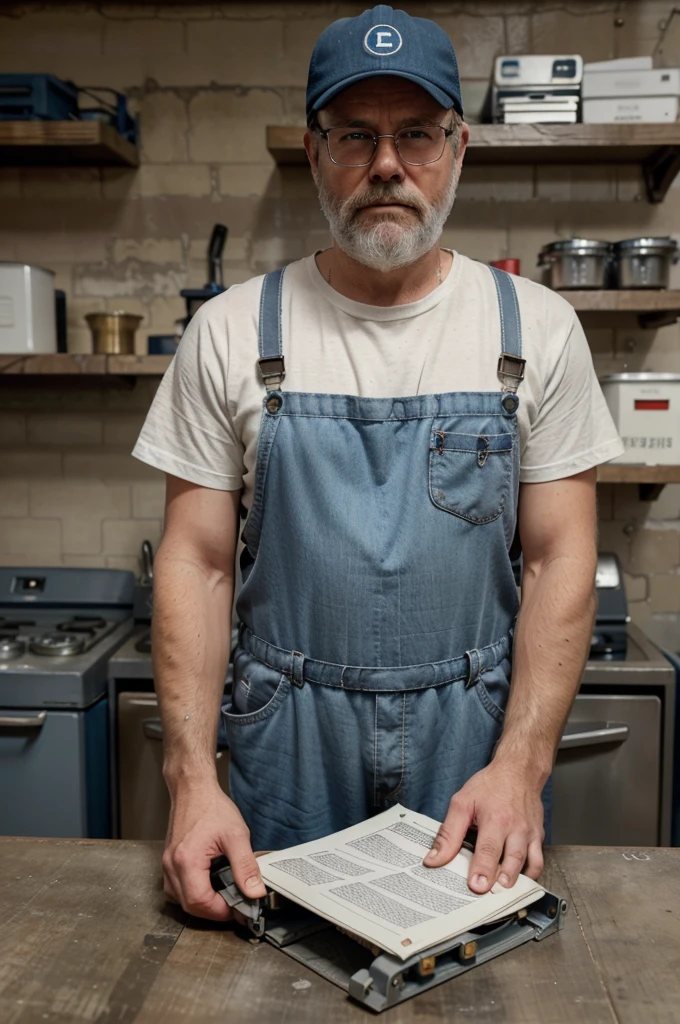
(369, 879)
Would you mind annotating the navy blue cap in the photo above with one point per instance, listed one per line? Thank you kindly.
(383, 41)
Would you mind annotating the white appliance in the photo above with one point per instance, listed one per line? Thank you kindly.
(28, 322)
(534, 69)
(526, 110)
(631, 110)
(535, 88)
(646, 83)
(623, 91)
(646, 411)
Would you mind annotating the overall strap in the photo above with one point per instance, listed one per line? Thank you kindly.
(510, 365)
(271, 362)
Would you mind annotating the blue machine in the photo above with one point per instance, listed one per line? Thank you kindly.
(48, 98)
(37, 98)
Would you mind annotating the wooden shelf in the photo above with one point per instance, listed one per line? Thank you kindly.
(651, 480)
(625, 473)
(654, 147)
(654, 308)
(64, 144)
(79, 366)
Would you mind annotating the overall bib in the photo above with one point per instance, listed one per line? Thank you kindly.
(378, 602)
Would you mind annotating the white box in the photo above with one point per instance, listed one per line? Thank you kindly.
(650, 110)
(646, 411)
(614, 84)
(28, 321)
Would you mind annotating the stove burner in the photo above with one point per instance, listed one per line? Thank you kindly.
(81, 624)
(57, 644)
(10, 626)
(10, 648)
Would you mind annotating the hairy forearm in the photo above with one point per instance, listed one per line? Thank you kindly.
(551, 646)
(191, 638)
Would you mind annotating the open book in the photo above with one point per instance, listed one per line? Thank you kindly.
(369, 880)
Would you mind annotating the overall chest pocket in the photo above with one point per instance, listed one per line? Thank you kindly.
(471, 473)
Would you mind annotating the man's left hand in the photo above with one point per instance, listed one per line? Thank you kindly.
(505, 806)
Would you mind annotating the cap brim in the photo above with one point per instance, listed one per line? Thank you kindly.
(437, 94)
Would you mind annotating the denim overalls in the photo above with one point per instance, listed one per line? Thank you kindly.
(378, 602)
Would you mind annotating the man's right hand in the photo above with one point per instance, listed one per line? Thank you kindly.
(205, 823)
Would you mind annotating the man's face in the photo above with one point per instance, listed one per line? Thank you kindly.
(388, 213)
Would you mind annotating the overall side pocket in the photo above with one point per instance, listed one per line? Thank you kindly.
(258, 690)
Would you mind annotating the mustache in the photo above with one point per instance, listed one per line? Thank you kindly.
(393, 194)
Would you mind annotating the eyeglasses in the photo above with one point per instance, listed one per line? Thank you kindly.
(355, 147)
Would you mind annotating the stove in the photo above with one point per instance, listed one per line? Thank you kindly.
(610, 634)
(58, 629)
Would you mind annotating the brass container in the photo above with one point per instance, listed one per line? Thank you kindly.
(113, 333)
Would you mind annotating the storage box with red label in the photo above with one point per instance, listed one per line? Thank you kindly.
(646, 411)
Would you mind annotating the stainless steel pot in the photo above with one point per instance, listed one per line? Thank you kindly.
(577, 263)
(645, 262)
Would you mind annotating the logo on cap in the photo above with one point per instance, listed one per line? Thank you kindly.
(382, 40)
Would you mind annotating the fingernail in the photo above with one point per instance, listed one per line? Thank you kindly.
(431, 855)
(504, 880)
(253, 882)
(480, 880)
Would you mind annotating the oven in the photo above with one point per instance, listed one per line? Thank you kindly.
(613, 777)
(143, 796)
(58, 628)
(139, 795)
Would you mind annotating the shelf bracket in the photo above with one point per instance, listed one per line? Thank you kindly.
(660, 318)
(660, 170)
(649, 492)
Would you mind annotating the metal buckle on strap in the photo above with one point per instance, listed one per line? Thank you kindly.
(510, 371)
(273, 371)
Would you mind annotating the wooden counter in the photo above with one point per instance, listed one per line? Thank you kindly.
(85, 935)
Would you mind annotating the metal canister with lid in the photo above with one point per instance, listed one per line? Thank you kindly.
(645, 408)
(645, 262)
(577, 263)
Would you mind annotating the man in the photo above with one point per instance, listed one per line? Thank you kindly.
(356, 409)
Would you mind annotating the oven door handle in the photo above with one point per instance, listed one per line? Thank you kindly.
(593, 734)
(23, 721)
(153, 729)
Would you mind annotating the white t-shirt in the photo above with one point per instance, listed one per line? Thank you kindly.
(204, 421)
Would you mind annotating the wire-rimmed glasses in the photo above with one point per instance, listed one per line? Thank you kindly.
(355, 147)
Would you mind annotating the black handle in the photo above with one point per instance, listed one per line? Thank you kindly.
(215, 249)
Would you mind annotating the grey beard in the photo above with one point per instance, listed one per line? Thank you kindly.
(389, 245)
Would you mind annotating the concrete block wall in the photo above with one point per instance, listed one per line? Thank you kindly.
(205, 80)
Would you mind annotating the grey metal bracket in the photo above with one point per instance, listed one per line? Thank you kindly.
(223, 883)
